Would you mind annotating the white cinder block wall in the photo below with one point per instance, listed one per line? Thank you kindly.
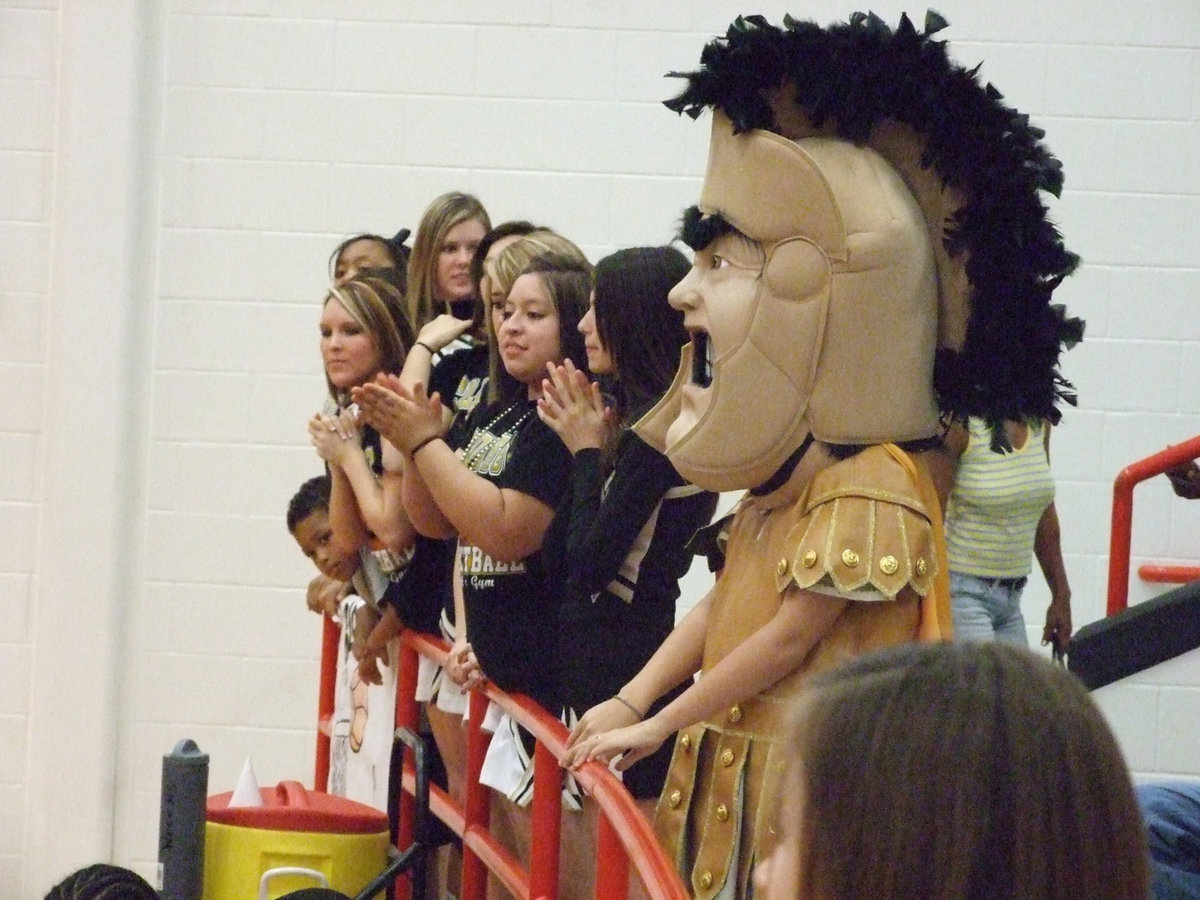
(172, 178)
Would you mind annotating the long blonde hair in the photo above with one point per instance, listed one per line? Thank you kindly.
(440, 216)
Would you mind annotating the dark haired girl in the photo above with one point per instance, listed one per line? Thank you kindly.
(618, 543)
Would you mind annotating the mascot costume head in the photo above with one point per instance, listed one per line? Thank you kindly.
(872, 253)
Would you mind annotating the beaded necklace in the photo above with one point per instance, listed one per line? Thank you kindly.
(488, 451)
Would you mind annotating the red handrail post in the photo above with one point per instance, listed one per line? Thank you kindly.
(1122, 514)
(624, 838)
(612, 863)
(331, 633)
(546, 823)
(477, 813)
(1119, 543)
(407, 716)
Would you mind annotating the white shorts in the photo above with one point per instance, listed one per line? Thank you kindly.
(428, 672)
(508, 767)
(433, 685)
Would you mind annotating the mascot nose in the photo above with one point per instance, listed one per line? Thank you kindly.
(684, 296)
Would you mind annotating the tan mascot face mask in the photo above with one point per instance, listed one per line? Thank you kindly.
(817, 313)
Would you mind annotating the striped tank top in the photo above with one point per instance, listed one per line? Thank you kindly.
(997, 501)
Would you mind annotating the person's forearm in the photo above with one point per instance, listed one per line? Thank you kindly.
(368, 493)
(395, 530)
(1047, 547)
(770, 653)
(600, 533)
(418, 364)
(420, 507)
(504, 524)
(460, 604)
(349, 532)
(677, 659)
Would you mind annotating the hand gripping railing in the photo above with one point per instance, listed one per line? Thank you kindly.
(1122, 514)
(624, 838)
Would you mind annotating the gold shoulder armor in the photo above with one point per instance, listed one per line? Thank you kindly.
(863, 523)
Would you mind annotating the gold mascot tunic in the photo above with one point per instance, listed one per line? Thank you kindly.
(868, 522)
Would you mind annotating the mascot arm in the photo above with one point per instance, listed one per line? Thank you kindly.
(677, 659)
(770, 653)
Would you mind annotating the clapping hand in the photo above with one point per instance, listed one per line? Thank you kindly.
(334, 436)
(405, 417)
(574, 408)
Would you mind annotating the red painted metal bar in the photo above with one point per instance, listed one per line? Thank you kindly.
(407, 714)
(1122, 514)
(330, 635)
(478, 808)
(546, 823)
(1158, 574)
(624, 836)
(612, 865)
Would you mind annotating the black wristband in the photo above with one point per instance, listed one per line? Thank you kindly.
(425, 345)
(426, 441)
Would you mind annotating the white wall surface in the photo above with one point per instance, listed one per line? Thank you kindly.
(173, 176)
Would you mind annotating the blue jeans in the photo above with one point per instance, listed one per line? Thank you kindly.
(987, 609)
(1172, 813)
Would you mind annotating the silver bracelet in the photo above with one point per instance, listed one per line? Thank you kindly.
(633, 709)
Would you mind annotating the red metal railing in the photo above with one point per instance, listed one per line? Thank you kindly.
(330, 635)
(1122, 518)
(1158, 574)
(624, 838)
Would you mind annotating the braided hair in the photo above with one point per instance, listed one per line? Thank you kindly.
(102, 881)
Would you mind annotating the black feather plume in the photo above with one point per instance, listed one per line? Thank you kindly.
(855, 75)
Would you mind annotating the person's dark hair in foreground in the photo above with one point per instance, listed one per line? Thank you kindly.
(102, 882)
(953, 772)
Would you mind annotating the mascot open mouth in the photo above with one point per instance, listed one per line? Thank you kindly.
(702, 359)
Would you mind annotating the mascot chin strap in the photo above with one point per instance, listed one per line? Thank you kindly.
(784, 472)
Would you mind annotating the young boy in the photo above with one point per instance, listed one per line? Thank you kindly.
(308, 522)
(359, 756)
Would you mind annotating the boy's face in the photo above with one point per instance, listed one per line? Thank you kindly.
(315, 538)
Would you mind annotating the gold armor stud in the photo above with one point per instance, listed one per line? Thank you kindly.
(850, 558)
(706, 880)
(922, 566)
(727, 758)
(685, 741)
(722, 812)
(735, 714)
(809, 559)
(888, 565)
(781, 567)
(675, 799)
